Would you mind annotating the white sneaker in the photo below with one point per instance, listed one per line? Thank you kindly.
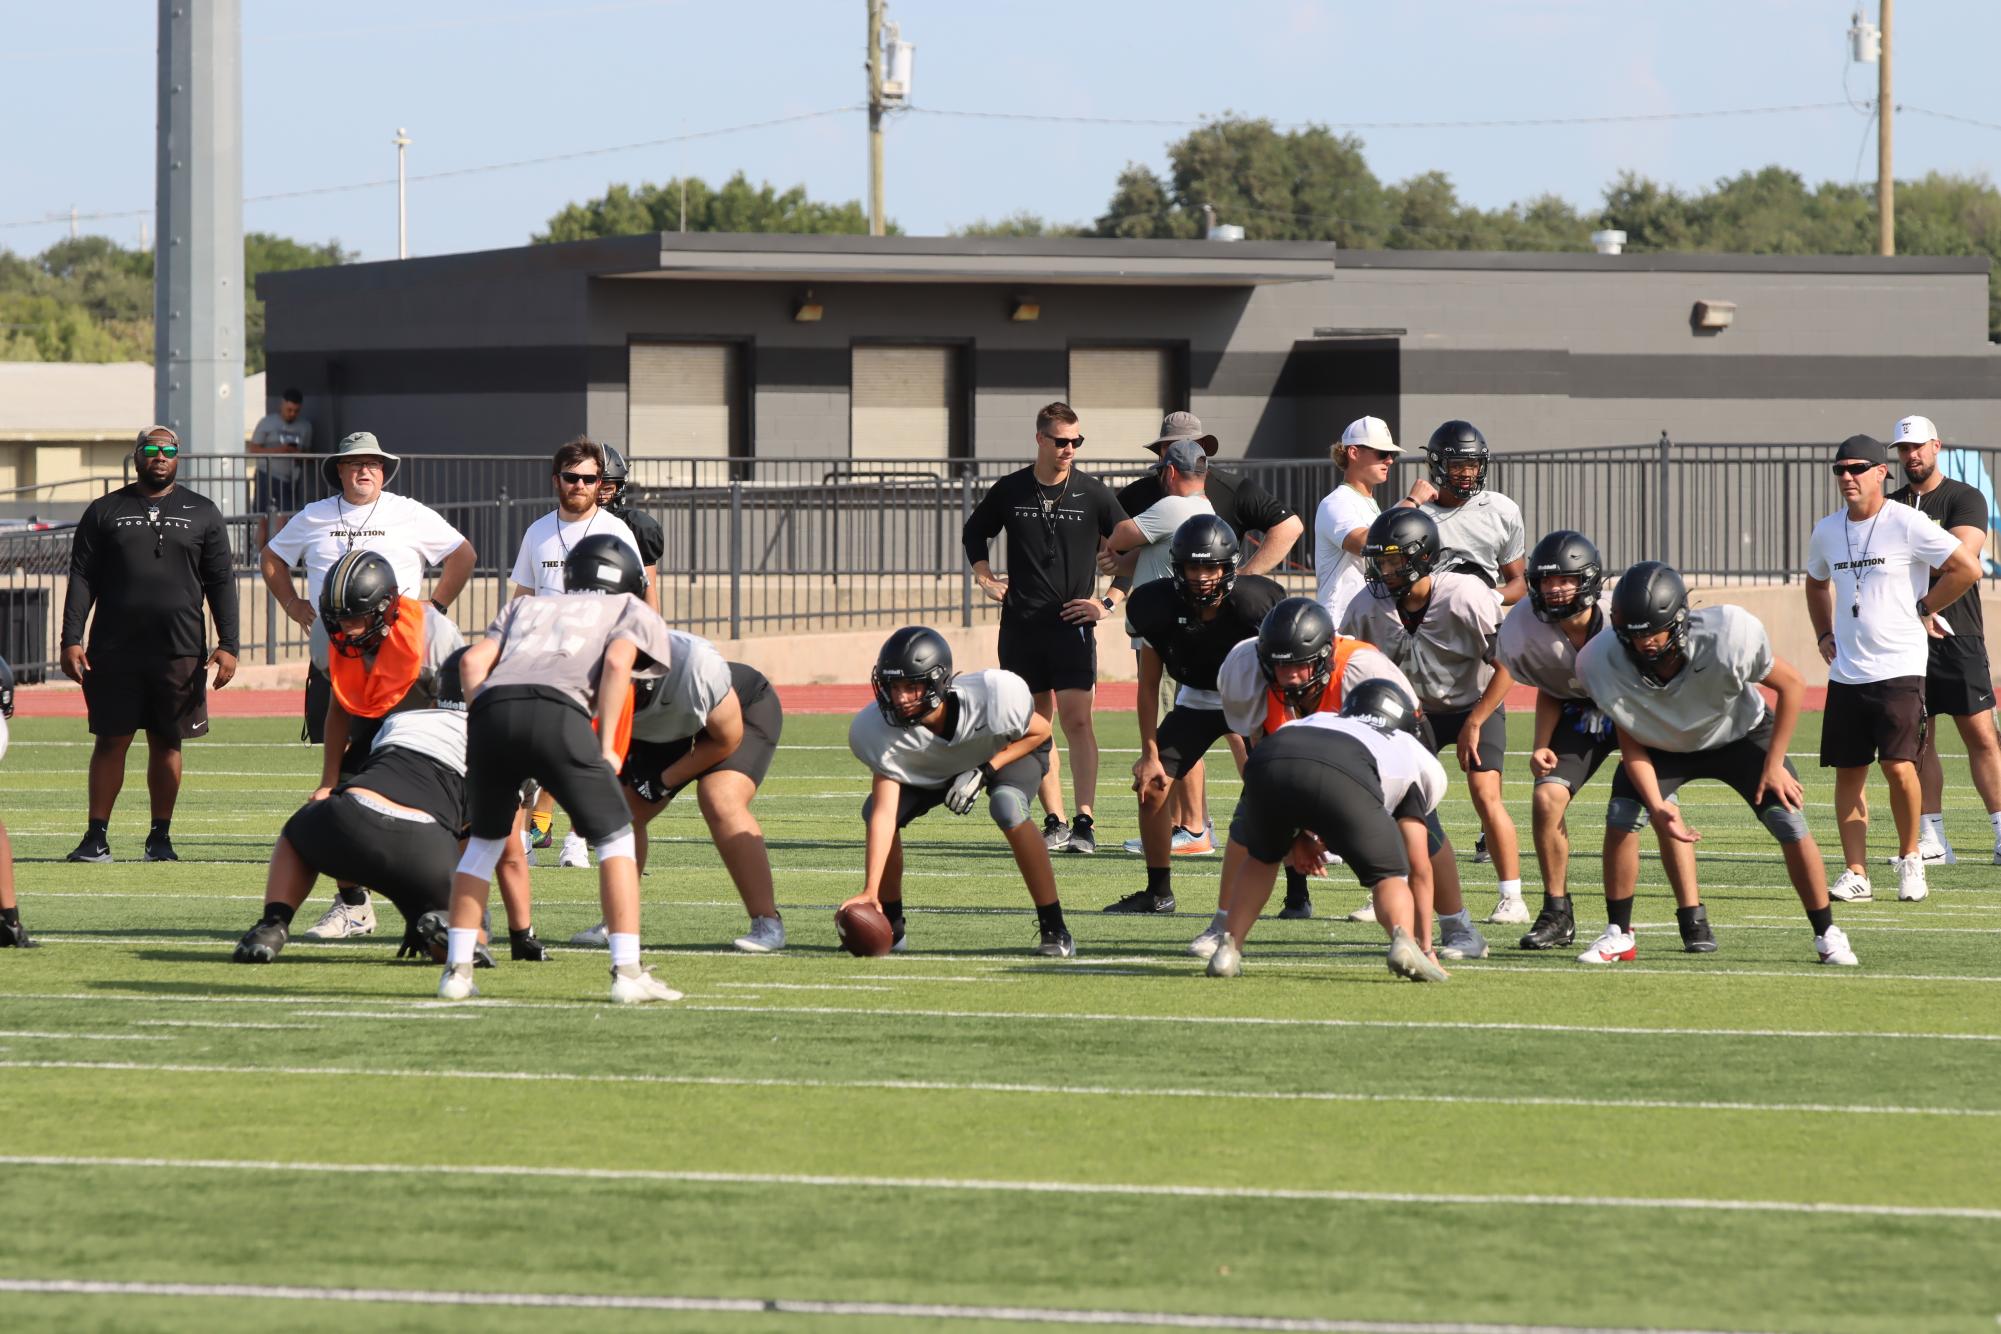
(342, 921)
(1614, 946)
(1509, 910)
(633, 985)
(593, 938)
(1911, 887)
(1227, 961)
(1365, 913)
(1834, 948)
(576, 853)
(456, 984)
(1460, 939)
(1204, 945)
(766, 936)
(1852, 887)
(1997, 852)
(1934, 852)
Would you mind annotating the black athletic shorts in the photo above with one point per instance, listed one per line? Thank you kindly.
(410, 862)
(1493, 748)
(165, 697)
(1584, 739)
(1024, 776)
(1185, 735)
(763, 720)
(517, 732)
(1740, 764)
(1303, 778)
(1050, 655)
(1958, 681)
(1877, 720)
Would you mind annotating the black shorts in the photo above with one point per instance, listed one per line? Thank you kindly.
(1584, 739)
(410, 862)
(1024, 776)
(1302, 778)
(1493, 748)
(1741, 764)
(1050, 655)
(763, 720)
(517, 732)
(276, 495)
(165, 697)
(1878, 720)
(1185, 735)
(1958, 682)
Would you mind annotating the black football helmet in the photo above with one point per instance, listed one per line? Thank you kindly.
(601, 563)
(914, 653)
(6, 690)
(1651, 597)
(1457, 442)
(1565, 552)
(1203, 540)
(616, 474)
(360, 586)
(1298, 630)
(1404, 532)
(1381, 704)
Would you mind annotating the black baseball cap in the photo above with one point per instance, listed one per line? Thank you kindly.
(1863, 449)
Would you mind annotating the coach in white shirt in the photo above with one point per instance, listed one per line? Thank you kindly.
(576, 472)
(1365, 454)
(1868, 565)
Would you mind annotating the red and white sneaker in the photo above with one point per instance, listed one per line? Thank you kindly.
(1615, 946)
(1833, 948)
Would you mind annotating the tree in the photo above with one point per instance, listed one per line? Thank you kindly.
(737, 207)
(1022, 223)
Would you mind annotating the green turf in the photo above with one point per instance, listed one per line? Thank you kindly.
(1748, 1075)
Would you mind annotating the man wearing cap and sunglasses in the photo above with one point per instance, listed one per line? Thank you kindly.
(145, 557)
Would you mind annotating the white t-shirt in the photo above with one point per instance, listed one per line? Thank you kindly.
(411, 535)
(1338, 570)
(1880, 567)
(994, 709)
(546, 545)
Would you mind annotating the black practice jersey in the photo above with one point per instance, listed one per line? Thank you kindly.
(1053, 534)
(1193, 649)
(1953, 504)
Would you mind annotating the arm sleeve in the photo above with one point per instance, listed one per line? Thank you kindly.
(497, 631)
(648, 634)
(263, 434)
(985, 524)
(1751, 647)
(1258, 510)
(219, 582)
(860, 741)
(82, 557)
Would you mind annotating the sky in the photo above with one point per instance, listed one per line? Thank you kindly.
(480, 83)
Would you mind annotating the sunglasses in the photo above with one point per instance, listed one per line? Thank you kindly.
(1074, 441)
(1852, 469)
(160, 451)
(580, 478)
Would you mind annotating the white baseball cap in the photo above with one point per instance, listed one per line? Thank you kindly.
(1914, 431)
(1371, 433)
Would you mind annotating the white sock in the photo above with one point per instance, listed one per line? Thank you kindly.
(1995, 816)
(1511, 889)
(624, 949)
(1220, 922)
(459, 944)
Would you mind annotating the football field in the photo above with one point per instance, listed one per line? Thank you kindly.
(969, 1137)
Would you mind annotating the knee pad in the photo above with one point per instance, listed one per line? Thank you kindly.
(1787, 826)
(618, 845)
(1008, 806)
(481, 856)
(1625, 813)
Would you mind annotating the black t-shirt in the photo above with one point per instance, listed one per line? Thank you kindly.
(1239, 501)
(147, 563)
(411, 778)
(645, 531)
(1953, 504)
(1053, 534)
(1191, 648)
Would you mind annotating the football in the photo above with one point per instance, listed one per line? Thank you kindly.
(864, 931)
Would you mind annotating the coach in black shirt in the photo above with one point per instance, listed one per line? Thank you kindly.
(145, 557)
(1055, 519)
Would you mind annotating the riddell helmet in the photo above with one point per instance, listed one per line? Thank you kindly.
(1651, 597)
(616, 473)
(1382, 705)
(1203, 540)
(601, 563)
(1457, 442)
(914, 653)
(1403, 532)
(1565, 552)
(1298, 630)
(361, 585)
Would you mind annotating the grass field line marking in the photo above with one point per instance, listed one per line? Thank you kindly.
(1700, 1204)
(1025, 1315)
(807, 986)
(388, 1014)
(85, 1037)
(1766, 924)
(224, 1023)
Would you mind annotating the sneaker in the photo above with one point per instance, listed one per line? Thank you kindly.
(1365, 913)
(525, 946)
(576, 853)
(1934, 852)
(1834, 949)
(1296, 910)
(160, 848)
(766, 936)
(1143, 901)
(97, 848)
(431, 932)
(1480, 853)
(14, 936)
(1696, 937)
(1554, 927)
(1056, 944)
(456, 984)
(1182, 844)
(633, 985)
(342, 921)
(1083, 837)
(1204, 945)
(1851, 887)
(593, 938)
(898, 942)
(1615, 946)
(1227, 961)
(1055, 833)
(1997, 853)
(1406, 960)
(1911, 887)
(261, 943)
(541, 838)
(1460, 939)
(1509, 910)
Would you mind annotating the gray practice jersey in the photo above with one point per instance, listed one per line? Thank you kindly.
(438, 733)
(1412, 779)
(1449, 656)
(1539, 654)
(1242, 683)
(558, 640)
(994, 709)
(1712, 701)
(695, 683)
(1486, 531)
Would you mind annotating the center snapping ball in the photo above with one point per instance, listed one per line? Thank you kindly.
(864, 931)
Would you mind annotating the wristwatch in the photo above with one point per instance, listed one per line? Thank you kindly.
(441, 606)
(1109, 605)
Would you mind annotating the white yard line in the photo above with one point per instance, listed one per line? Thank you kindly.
(83, 1037)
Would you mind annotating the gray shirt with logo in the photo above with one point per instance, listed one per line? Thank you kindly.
(994, 709)
(1712, 701)
(1486, 531)
(1540, 654)
(697, 680)
(1449, 654)
(558, 640)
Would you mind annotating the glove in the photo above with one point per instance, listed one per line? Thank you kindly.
(959, 796)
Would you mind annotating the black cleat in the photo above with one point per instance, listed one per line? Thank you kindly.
(1480, 853)
(94, 848)
(1057, 945)
(430, 930)
(524, 946)
(1555, 926)
(14, 936)
(1296, 909)
(1083, 837)
(1696, 937)
(261, 943)
(160, 848)
(1143, 901)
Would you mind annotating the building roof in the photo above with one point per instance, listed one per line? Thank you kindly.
(85, 401)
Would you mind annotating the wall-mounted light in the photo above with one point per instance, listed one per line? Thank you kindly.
(807, 309)
(1023, 309)
(1713, 316)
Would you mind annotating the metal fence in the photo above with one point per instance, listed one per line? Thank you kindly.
(780, 546)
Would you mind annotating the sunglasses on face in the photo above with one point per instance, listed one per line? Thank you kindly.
(1060, 441)
(580, 478)
(160, 451)
(1852, 469)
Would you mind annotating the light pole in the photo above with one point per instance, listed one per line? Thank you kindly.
(402, 142)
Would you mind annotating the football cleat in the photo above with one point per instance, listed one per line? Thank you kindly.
(593, 938)
(1083, 837)
(1143, 901)
(1204, 945)
(1554, 927)
(1056, 944)
(524, 946)
(545, 837)
(1183, 843)
(1614, 946)
(1365, 913)
(1833, 948)
(633, 985)
(93, 848)
(456, 984)
(1296, 909)
(343, 921)
(1911, 887)
(897, 942)
(1480, 853)
(1227, 961)
(1055, 833)
(1696, 937)
(576, 853)
(14, 936)
(160, 848)
(1934, 850)
(1851, 887)
(1458, 938)
(261, 943)
(766, 936)
(1509, 910)
(1406, 960)
(431, 932)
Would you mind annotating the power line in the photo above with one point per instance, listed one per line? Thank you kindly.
(1946, 115)
(1515, 123)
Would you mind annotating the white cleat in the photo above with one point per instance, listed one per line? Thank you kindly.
(576, 853)
(1406, 960)
(1851, 887)
(633, 985)
(766, 936)
(1614, 946)
(1204, 945)
(1911, 887)
(456, 984)
(1509, 910)
(593, 938)
(1834, 948)
(1365, 913)
(1227, 961)
(342, 921)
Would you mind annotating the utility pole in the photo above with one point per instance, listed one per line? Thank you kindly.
(875, 106)
(72, 222)
(1886, 184)
(402, 141)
